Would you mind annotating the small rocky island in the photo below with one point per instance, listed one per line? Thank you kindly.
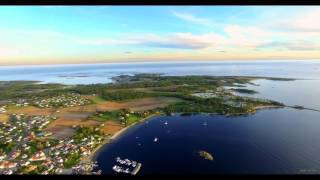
(206, 155)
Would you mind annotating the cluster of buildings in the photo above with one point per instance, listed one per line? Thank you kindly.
(21, 103)
(87, 168)
(237, 104)
(205, 95)
(20, 152)
(14, 138)
(227, 95)
(67, 100)
(219, 92)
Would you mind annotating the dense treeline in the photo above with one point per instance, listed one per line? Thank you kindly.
(27, 89)
(217, 105)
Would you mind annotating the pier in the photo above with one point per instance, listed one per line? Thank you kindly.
(136, 169)
(126, 165)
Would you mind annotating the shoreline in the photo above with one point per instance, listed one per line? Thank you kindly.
(269, 107)
(94, 154)
(92, 157)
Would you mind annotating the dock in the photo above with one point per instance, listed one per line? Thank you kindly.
(125, 165)
(136, 169)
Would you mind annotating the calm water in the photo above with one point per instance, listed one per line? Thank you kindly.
(101, 73)
(299, 92)
(271, 141)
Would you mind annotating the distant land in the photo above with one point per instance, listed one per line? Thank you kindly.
(124, 61)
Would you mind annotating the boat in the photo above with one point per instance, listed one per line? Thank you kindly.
(166, 123)
(205, 123)
(127, 162)
(126, 171)
(155, 140)
(116, 168)
(134, 164)
(98, 172)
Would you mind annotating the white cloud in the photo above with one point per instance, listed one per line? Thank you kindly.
(299, 31)
(296, 45)
(300, 22)
(236, 37)
(193, 19)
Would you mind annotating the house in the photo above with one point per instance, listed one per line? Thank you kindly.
(15, 154)
(7, 172)
(2, 156)
(26, 163)
(7, 165)
(46, 134)
(39, 156)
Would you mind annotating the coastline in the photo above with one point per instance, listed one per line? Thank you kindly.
(268, 107)
(92, 157)
(95, 152)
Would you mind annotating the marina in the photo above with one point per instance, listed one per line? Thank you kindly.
(126, 166)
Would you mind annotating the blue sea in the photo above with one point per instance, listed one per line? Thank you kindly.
(101, 73)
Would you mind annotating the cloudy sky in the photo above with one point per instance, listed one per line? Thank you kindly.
(81, 34)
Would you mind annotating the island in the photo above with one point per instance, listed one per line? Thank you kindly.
(58, 129)
(206, 155)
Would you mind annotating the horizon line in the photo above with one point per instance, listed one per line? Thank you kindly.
(156, 61)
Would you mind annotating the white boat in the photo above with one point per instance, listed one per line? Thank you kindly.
(166, 123)
(116, 168)
(205, 123)
(121, 161)
(126, 171)
(155, 140)
(127, 162)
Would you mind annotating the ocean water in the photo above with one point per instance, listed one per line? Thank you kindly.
(299, 92)
(101, 73)
(277, 141)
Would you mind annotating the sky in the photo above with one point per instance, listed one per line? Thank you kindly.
(98, 34)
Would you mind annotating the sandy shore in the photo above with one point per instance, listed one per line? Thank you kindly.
(96, 151)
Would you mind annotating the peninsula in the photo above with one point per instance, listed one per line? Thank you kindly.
(56, 128)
